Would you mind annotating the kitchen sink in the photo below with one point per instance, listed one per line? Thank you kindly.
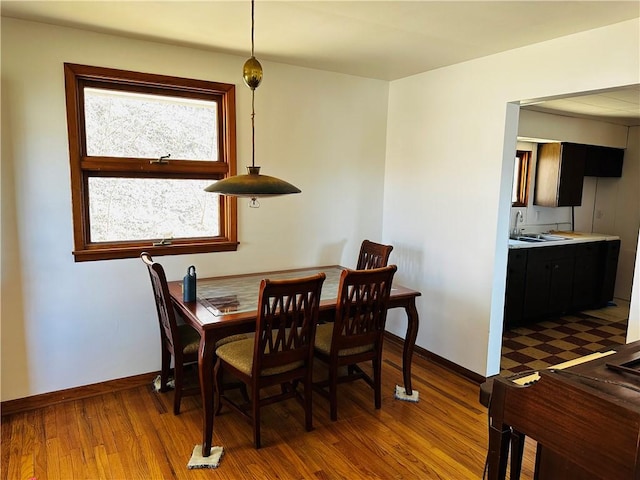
(522, 238)
(538, 237)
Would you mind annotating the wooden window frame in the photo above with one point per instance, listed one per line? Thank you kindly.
(77, 77)
(524, 175)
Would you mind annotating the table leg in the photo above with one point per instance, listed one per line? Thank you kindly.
(205, 369)
(409, 343)
(517, 450)
(499, 436)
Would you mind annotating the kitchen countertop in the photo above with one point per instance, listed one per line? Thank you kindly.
(572, 237)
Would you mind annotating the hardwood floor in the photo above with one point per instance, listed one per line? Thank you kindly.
(133, 434)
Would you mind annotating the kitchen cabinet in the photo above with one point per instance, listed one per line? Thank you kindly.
(548, 281)
(544, 281)
(609, 271)
(516, 272)
(603, 161)
(586, 274)
(559, 174)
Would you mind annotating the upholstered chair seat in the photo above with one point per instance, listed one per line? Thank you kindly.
(239, 354)
(233, 338)
(190, 340)
(324, 333)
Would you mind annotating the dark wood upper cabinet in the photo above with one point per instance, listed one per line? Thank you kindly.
(603, 161)
(559, 174)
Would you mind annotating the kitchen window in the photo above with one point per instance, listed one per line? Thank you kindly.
(142, 148)
(521, 176)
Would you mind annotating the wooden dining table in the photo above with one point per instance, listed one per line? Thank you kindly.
(228, 305)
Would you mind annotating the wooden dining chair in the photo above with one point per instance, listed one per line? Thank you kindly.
(373, 255)
(280, 352)
(357, 333)
(179, 341)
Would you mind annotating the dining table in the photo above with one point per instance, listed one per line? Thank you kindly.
(227, 305)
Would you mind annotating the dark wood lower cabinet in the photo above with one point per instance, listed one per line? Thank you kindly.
(549, 278)
(561, 284)
(587, 275)
(553, 280)
(516, 273)
(609, 271)
(537, 280)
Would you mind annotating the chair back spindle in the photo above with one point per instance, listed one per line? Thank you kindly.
(373, 255)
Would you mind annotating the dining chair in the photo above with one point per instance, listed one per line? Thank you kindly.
(356, 334)
(373, 255)
(280, 352)
(179, 341)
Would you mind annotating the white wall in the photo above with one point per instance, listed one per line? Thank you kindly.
(622, 203)
(450, 148)
(66, 324)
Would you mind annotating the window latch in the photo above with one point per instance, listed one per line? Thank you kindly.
(162, 160)
(162, 242)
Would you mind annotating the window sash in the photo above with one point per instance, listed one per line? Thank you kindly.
(84, 167)
(170, 119)
(521, 177)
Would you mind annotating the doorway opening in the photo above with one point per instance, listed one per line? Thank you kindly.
(552, 340)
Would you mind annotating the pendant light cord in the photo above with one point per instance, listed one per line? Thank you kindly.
(253, 95)
(253, 130)
(252, 24)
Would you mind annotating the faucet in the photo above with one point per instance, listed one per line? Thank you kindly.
(516, 231)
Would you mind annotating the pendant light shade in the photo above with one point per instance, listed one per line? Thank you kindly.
(252, 185)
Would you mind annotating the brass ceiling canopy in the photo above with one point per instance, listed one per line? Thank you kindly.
(252, 185)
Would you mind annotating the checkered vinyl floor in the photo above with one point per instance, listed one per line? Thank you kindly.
(541, 345)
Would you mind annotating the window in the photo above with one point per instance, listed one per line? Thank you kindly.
(142, 149)
(521, 173)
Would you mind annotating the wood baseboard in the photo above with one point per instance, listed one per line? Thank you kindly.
(20, 405)
(443, 362)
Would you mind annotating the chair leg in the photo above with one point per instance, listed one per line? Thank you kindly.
(177, 377)
(164, 371)
(308, 404)
(255, 406)
(243, 391)
(333, 392)
(377, 382)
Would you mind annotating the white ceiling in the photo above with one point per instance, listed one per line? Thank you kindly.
(620, 106)
(376, 39)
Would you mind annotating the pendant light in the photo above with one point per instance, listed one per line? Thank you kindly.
(252, 185)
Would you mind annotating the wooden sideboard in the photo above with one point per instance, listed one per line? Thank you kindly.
(585, 419)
